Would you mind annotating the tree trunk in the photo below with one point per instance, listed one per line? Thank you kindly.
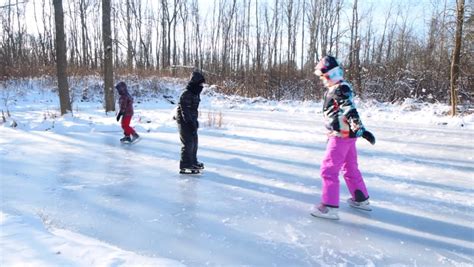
(108, 67)
(129, 38)
(85, 52)
(61, 65)
(456, 55)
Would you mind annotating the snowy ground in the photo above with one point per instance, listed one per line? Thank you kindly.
(72, 195)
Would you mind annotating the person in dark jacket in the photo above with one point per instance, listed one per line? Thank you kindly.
(126, 113)
(187, 119)
(344, 126)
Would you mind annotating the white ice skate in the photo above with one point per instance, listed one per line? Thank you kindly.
(362, 205)
(323, 211)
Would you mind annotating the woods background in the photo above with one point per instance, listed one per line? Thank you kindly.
(251, 47)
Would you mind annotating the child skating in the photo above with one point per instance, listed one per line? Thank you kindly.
(126, 113)
(344, 126)
(187, 119)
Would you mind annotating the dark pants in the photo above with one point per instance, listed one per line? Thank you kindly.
(189, 145)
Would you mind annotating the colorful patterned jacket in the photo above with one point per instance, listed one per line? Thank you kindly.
(340, 114)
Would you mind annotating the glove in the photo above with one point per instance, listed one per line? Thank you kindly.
(360, 132)
(369, 137)
(357, 127)
(119, 116)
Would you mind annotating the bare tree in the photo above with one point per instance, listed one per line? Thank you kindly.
(276, 35)
(354, 49)
(177, 8)
(226, 22)
(382, 39)
(198, 56)
(456, 55)
(314, 16)
(83, 6)
(259, 45)
(61, 65)
(130, 49)
(108, 56)
(184, 14)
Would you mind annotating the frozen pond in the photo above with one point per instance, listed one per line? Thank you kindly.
(249, 207)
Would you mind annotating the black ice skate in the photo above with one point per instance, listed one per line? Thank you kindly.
(135, 138)
(126, 140)
(199, 166)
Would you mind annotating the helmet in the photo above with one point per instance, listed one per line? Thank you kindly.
(329, 68)
(326, 64)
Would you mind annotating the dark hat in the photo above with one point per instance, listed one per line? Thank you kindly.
(197, 77)
(121, 86)
(326, 64)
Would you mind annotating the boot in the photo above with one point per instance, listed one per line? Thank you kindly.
(126, 139)
(135, 137)
(199, 165)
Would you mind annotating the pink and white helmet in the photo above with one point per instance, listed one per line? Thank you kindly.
(330, 68)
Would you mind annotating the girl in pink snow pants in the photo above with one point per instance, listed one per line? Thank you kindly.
(344, 126)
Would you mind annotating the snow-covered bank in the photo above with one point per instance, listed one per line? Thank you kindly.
(71, 195)
(39, 96)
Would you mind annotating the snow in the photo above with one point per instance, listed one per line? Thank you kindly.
(72, 195)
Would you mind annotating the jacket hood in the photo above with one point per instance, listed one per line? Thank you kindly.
(197, 78)
(121, 88)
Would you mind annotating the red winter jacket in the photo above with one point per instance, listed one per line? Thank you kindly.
(125, 100)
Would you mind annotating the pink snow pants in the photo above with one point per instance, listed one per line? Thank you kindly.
(341, 154)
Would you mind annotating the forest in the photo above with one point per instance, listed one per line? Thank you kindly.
(72, 194)
(265, 48)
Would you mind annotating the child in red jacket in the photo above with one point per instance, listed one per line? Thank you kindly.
(126, 113)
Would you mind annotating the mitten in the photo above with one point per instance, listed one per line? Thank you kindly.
(369, 137)
(119, 116)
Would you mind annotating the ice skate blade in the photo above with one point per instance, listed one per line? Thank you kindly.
(188, 171)
(355, 205)
(131, 142)
(365, 208)
(136, 140)
(325, 216)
